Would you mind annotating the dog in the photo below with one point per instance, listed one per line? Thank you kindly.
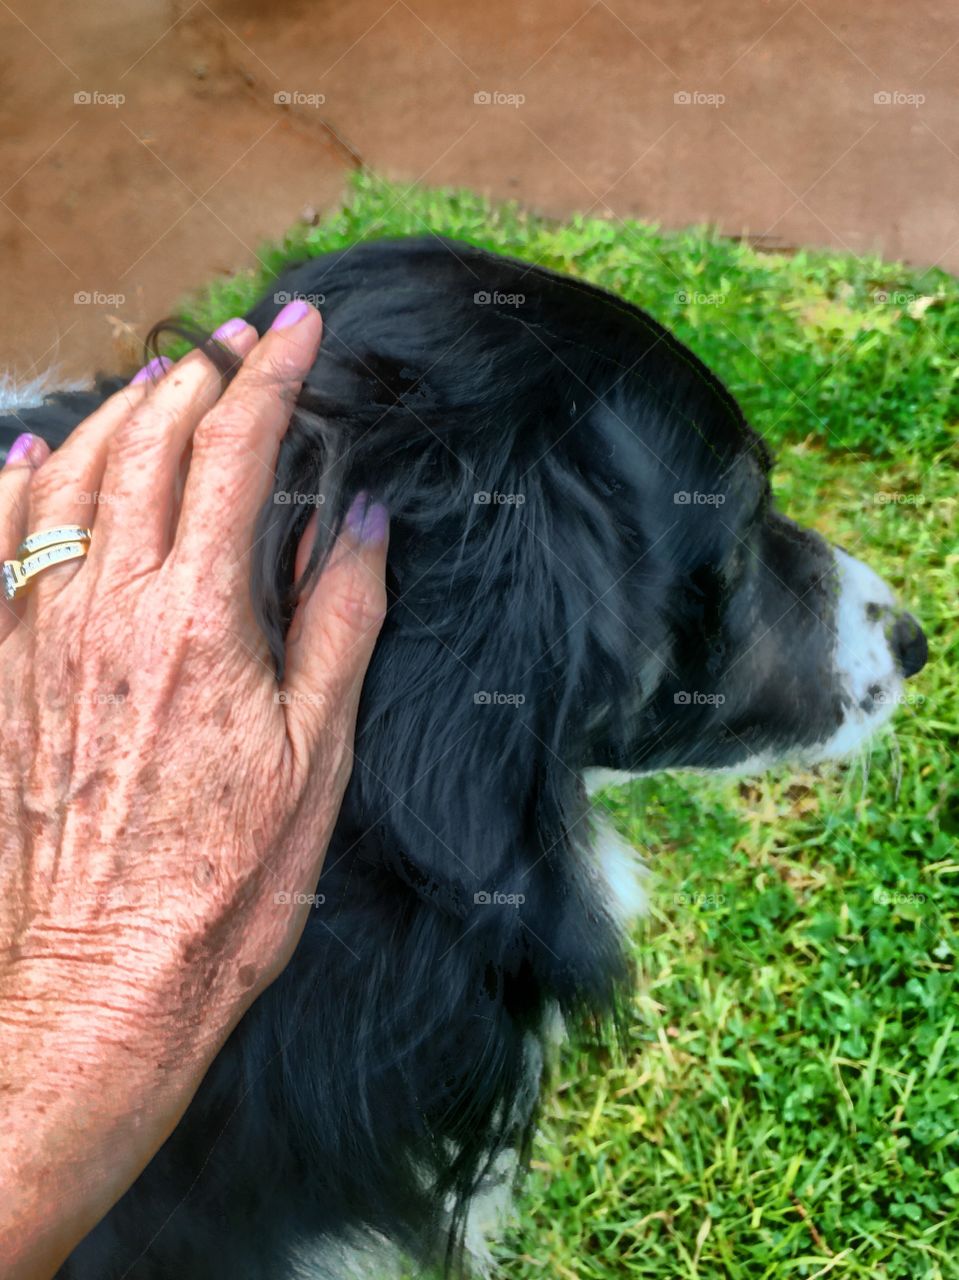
(588, 580)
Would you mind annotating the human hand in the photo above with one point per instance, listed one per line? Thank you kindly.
(165, 805)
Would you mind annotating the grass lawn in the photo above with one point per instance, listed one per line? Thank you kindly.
(787, 1102)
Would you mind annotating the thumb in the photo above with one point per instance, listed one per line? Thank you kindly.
(335, 626)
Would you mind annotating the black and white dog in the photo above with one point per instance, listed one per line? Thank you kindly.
(586, 573)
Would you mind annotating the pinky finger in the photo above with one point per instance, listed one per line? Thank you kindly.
(26, 454)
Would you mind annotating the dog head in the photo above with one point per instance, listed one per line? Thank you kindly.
(585, 548)
(587, 571)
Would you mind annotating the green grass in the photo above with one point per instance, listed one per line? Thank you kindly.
(788, 1100)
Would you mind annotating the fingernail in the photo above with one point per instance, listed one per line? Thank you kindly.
(152, 370)
(19, 449)
(291, 314)
(230, 328)
(367, 521)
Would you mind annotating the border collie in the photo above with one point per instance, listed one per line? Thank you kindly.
(586, 573)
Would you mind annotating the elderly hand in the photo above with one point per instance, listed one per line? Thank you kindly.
(165, 805)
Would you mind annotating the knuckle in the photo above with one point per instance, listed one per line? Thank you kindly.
(282, 370)
(142, 431)
(359, 605)
(53, 482)
(15, 486)
(232, 423)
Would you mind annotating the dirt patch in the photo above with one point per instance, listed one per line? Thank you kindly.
(206, 129)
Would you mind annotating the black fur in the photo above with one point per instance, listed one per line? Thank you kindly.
(372, 1085)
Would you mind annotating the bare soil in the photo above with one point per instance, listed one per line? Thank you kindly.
(762, 118)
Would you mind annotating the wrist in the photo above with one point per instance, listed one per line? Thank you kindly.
(87, 1096)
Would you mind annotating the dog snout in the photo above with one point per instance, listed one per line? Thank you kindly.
(909, 646)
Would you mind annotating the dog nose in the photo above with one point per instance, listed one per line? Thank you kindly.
(909, 646)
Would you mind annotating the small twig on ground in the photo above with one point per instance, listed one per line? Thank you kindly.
(803, 1212)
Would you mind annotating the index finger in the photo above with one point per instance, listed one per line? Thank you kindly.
(235, 446)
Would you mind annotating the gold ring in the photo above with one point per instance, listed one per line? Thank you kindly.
(16, 575)
(52, 538)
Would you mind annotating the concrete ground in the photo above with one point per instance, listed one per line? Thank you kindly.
(146, 147)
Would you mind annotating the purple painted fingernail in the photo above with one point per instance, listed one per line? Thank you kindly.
(154, 369)
(291, 314)
(19, 449)
(367, 521)
(230, 328)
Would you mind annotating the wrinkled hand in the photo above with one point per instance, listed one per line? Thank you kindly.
(164, 805)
